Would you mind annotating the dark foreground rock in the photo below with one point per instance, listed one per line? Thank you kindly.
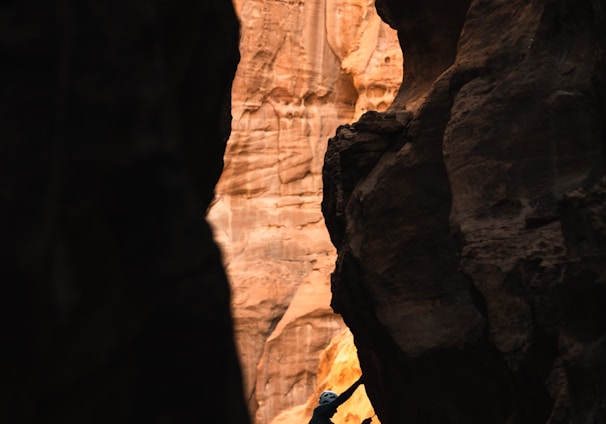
(114, 305)
(472, 262)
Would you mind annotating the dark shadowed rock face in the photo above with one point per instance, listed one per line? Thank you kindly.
(472, 257)
(115, 306)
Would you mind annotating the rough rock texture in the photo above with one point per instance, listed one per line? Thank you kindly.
(115, 306)
(469, 218)
(306, 67)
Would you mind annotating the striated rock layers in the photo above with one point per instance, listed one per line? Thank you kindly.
(305, 67)
(470, 218)
(115, 307)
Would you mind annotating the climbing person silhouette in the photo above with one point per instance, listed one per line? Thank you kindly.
(329, 401)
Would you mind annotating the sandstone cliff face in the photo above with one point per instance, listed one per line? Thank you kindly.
(469, 218)
(114, 305)
(305, 68)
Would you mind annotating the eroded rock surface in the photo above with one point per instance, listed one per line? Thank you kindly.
(471, 260)
(306, 67)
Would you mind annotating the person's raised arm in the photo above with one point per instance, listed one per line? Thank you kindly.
(348, 392)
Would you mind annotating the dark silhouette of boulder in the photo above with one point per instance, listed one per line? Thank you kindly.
(472, 262)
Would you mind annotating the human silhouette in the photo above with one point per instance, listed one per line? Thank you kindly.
(329, 401)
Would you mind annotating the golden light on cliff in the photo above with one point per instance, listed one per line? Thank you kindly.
(338, 369)
(306, 68)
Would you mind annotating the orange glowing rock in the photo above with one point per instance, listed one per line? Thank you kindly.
(299, 77)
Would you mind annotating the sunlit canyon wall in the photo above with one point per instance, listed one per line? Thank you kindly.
(306, 67)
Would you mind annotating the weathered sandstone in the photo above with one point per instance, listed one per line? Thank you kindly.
(305, 68)
(469, 218)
